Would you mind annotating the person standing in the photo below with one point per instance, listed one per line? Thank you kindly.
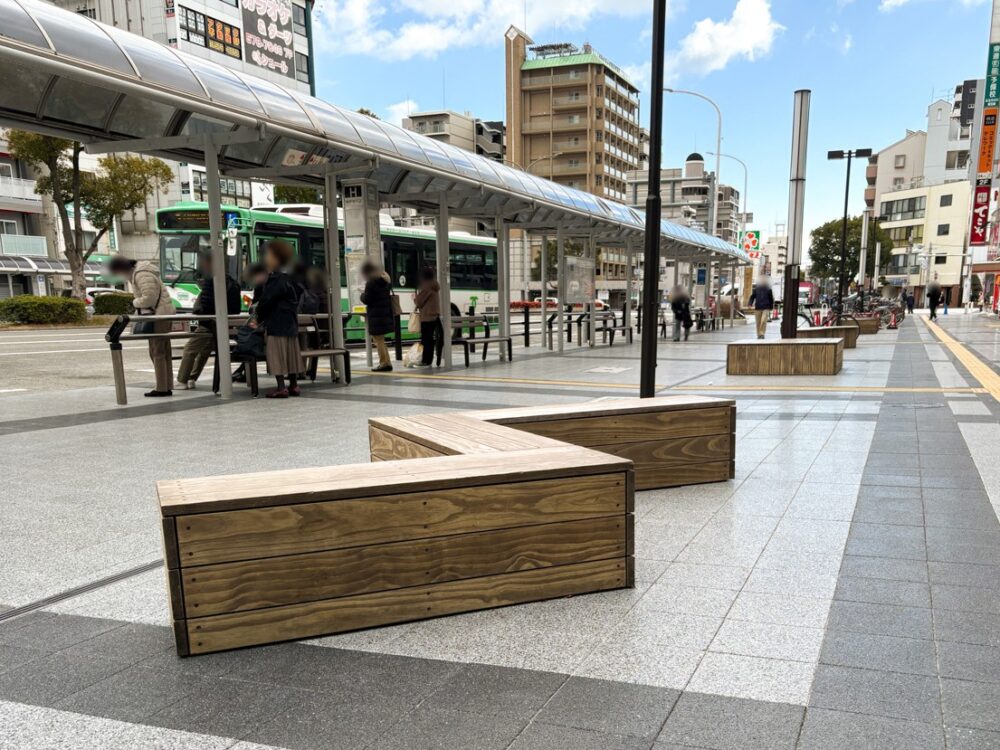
(910, 301)
(277, 311)
(680, 305)
(934, 298)
(377, 298)
(151, 298)
(200, 346)
(428, 301)
(762, 303)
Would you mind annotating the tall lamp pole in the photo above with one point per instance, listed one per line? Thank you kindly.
(651, 254)
(746, 188)
(714, 231)
(860, 153)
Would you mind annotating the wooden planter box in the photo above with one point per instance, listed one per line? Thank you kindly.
(785, 357)
(869, 325)
(849, 333)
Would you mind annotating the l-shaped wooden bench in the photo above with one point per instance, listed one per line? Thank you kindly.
(457, 512)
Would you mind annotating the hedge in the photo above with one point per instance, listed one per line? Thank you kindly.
(27, 308)
(113, 304)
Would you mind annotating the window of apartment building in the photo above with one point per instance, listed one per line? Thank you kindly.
(8, 227)
(205, 31)
(940, 260)
(298, 19)
(897, 182)
(573, 96)
(598, 180)
(6, 171)
(905, 208)
(598, 135)
(573, 140)
(573, 162)
(599, 113)
(597, 159)
(573, 119)
(956, 160)
(946, 200)
(599, 90)
(943, 230)
(906, 235)
(900, 161)
(301, 65)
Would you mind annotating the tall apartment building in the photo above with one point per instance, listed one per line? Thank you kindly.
(686, 195)
(463, 131)
(572, 116)
(270, 39)
(919, 186)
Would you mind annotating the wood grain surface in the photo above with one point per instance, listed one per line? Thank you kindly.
(633, 428)
(817, 356)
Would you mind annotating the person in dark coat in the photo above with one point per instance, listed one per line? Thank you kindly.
(377, 298)
(277, 312)
(934, 298)
(200, 346)
(762, 303)
(680, 304)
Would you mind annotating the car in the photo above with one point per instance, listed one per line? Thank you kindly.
(91, 293)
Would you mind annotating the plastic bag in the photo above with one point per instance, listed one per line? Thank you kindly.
(413, 355)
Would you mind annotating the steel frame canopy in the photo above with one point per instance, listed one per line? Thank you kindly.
(68, 75)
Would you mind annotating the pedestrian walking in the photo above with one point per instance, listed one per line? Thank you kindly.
(933, 298)
(151, 298)
(200, 346)
(762, 303)
(428, 301)
(377, 298)
(277, 312)
(680, 305)
(910, 302)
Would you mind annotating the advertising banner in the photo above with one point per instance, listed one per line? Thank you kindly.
(579, 280)
(978, 234)
(750, 241)
(267, 34)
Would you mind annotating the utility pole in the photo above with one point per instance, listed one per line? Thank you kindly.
(796, 211)
(860, 153)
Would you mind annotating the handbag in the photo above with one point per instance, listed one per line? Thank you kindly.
(250, 342)
(144, 327)
(413, 325)
(397, 309)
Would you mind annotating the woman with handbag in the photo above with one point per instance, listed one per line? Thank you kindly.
(428, 301)
(381, 319)
(151, 298)
(277, 313)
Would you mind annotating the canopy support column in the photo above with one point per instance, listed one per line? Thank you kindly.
(332, 245)
(503, 277)
(443, 254)
(561, 285)
(629, 260)
(543, 267)
(591, 304)
(215, 229)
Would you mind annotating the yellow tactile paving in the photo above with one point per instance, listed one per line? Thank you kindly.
(976, 367)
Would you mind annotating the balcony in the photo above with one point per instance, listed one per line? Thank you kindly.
(564, 169)
(570, 102)
(19, 195)
(579, 145)
(23, 244)
(557, 124)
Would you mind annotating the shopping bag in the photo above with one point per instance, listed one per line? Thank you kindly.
(413, 355)
(413, 326)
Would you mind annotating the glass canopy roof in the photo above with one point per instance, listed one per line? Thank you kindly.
(67, 74)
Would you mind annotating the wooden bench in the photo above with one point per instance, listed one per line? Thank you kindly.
(849, 333)
(276, 556)
(470, 342)
(671, 440)
(869, 326)
(814, 356)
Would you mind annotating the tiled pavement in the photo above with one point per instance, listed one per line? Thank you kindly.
(842, 593)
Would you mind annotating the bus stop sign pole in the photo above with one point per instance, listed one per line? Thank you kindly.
(651, 258)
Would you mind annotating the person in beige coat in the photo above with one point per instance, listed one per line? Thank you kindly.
(151, 298)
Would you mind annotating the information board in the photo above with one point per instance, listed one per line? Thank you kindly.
(267, 34)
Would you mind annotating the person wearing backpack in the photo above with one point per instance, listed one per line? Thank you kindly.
(277, 312)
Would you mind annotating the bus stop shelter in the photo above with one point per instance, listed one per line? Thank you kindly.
(69, 76)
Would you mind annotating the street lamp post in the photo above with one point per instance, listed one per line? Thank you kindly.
(718, 155)
(746, 188)
(860, 153)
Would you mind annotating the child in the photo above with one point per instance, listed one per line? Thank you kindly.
(277, 312)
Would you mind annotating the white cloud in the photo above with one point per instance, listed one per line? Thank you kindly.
(888, 5)
(639, 74)
(847, 43)
(395, 113)
(430, 27)
(748, 34)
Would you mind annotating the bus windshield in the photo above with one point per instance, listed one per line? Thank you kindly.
(179, 256)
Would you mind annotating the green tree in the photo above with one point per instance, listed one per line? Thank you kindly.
(366, 111)
(824, 254)
(297, 194)
(122, 183)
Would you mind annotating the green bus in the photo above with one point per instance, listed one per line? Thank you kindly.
(183, 235)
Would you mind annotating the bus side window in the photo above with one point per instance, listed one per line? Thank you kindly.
(405, 270)
(490, 269)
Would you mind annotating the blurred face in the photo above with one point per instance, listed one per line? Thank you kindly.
(272, 261)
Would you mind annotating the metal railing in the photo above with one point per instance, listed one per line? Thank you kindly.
(19, 189)
(23, 244)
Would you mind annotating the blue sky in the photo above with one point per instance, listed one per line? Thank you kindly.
(874, 66)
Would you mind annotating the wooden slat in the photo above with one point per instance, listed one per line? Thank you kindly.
(809, 356)
(388, 446)
(636, 427)
(221, 632)
(599, 408)
(277, 488)
(311, 527)
(171, 558)
(654, 476)
(454, 434)
(676, 452)
(848, 333)
(233, 587)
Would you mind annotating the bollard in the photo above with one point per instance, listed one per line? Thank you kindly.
(118, 367)
(397, 334)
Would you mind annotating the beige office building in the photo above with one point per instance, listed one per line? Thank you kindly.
(572, 116)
